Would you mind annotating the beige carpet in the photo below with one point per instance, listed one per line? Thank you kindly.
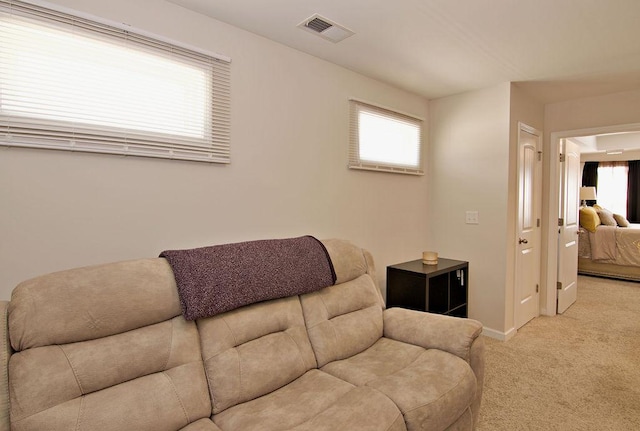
(576, 371)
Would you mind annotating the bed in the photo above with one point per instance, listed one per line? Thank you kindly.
(610, 251)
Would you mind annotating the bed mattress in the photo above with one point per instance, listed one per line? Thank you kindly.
(610, 252)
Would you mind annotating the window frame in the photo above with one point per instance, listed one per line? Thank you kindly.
(33, 131)
(355, 160)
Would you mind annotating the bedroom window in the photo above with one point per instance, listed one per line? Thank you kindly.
(70, 83)
(612, 186)
(384, 140)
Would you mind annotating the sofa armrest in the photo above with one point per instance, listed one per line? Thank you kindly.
(460, 337)
(5, 353)
(432, 331)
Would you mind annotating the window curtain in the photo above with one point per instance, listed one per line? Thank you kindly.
(633, 192)
(590, 177)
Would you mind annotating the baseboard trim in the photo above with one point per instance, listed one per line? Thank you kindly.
(502, 336)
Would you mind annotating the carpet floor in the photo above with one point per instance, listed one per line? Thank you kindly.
(575, 371)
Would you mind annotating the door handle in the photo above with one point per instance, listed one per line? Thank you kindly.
(523, 241)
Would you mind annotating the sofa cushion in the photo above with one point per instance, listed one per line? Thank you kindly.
(431, 387)
(432, 392)
(385, 357)
(201, 425)
(314, 402)
(47, 376)
(464, 422)
(254, 350)
(111, 384)
(99, 348)
(91, 302)
(349, 261)
(344, 319)
(162, 401)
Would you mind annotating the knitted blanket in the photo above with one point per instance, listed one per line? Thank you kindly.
(215, 279)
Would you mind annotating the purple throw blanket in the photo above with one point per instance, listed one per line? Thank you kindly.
(212, 280)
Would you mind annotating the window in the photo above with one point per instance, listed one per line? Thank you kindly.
(69, 83)
(384, 140)
(612, 186)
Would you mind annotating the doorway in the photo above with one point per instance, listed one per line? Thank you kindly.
(552, 207)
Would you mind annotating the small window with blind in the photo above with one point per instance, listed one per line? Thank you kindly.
(71, 83)
(384, 140)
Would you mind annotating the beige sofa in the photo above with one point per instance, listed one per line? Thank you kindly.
(106, 348)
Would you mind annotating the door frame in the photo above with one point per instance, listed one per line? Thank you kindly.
(550, 233)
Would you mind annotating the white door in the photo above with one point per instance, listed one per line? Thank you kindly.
(568, 225)
(528, 239)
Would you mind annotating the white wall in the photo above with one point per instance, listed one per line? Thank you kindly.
(469, 162)
(608, 110)
(288, 174)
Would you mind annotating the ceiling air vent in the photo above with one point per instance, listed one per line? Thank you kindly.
(318, 25)
(325, 28)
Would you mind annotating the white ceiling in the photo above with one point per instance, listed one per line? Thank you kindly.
(608, 143)
(555, 49)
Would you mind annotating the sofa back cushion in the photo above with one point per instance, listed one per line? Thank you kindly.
(344, 319)
(349, 261)
(91, 302)
(254, 350)
(104, 348)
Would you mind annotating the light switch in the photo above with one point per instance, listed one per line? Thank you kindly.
(472, 217)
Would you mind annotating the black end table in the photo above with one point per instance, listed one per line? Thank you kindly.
(441, 288)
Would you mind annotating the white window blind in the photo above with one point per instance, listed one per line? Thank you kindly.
(69, 83)
(384, 140)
